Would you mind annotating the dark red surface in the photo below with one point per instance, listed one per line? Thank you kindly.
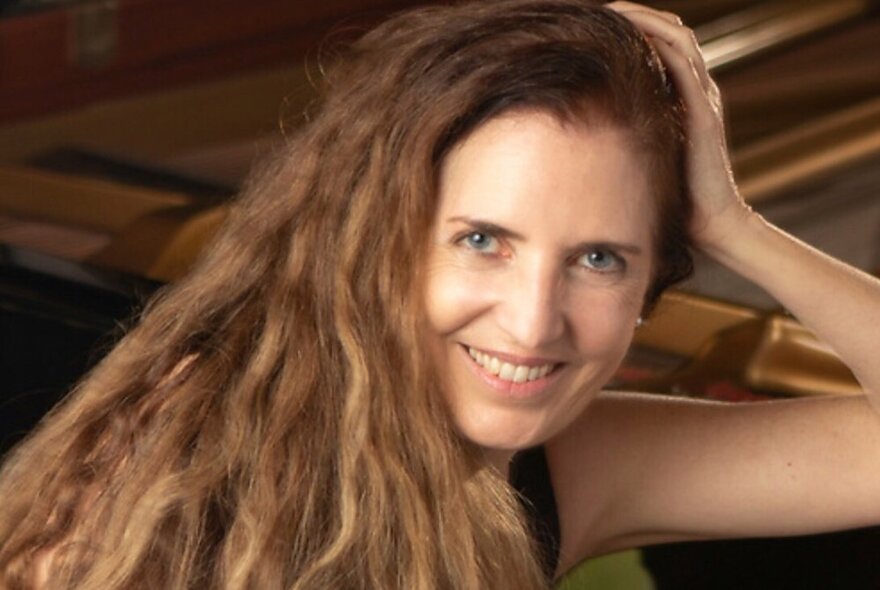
(162, 43)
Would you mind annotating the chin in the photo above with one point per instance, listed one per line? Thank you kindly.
(494, 430)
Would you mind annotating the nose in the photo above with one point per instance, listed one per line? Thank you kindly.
(532, 313)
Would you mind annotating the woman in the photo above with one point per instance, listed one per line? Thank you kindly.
(445, 267)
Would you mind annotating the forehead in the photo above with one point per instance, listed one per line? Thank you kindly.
(532, 170)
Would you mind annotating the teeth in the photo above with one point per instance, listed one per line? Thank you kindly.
(507, 371)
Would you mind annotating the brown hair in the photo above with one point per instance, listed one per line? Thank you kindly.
(272, 420)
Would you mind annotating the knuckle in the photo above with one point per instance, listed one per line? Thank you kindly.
(671, 16)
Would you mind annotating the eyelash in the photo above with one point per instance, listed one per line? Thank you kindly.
(464, 240)
(618, 262)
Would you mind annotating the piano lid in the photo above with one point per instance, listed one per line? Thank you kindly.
(801, 82)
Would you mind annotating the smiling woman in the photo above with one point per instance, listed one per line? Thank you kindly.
(442, 269)
(541, 257)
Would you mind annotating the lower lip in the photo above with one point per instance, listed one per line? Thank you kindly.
(521, 391)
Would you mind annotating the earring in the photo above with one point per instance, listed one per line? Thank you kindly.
(639, 322)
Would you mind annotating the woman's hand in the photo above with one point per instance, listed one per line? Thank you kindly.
(840, 304)
(718, 207)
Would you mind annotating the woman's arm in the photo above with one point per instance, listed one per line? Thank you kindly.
(839, 303)
(638, 469)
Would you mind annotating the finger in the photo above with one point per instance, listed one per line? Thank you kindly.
(656, 26)
(679, 37)
(688, 83)
(622, 6)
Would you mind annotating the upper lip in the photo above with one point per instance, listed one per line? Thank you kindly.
(526, 361)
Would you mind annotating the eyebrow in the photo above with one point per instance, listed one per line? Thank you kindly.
(503, 232)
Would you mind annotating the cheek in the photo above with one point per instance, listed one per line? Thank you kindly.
(602, 324)
(453, 297)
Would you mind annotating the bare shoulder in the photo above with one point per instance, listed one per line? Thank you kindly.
(638, 469)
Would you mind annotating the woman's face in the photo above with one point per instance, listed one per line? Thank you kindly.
(539, 261)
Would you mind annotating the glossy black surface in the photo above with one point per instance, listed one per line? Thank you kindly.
(57, 319)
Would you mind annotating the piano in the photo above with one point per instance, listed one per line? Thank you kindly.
(125, 126)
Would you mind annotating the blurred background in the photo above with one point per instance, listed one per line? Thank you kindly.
(126, 125)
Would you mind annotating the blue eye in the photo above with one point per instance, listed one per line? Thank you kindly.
(481, 242)
(600, 260)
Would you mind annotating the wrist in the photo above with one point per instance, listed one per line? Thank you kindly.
(723, 231)
(720, 230)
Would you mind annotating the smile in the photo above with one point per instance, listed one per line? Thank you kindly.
(507, 371)
(520, 379)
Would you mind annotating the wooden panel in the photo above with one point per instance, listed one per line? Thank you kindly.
(78, 202)
(824, 147)
(158, 125)
(793, 86)
(48, 59)
(682, 323)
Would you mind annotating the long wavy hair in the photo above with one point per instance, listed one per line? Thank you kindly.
(272, 420)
